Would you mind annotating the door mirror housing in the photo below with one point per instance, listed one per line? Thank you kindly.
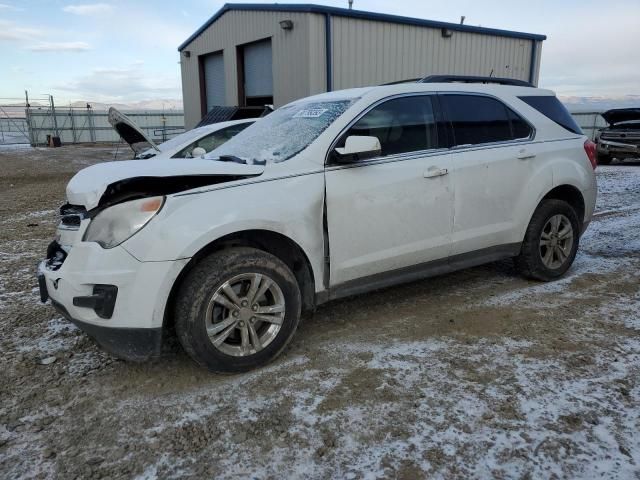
(357, 147)
(198, 152)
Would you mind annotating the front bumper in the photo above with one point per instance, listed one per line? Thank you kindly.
(608, 147)
(113, 297)
(133, 344)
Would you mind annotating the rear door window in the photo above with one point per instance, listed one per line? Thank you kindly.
(403, 125)
(478, 119)
(551, 108)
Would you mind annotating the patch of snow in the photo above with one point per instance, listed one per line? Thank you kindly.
(14, 146)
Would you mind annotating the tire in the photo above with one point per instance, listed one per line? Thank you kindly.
(204, 303)
(534, 260)
(604, 159)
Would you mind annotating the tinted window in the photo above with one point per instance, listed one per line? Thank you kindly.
(519, 128)
(213, 140)
(476, 119)
(552, 108)
(402, 125)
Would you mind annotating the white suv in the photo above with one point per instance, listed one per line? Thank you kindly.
(329, 196)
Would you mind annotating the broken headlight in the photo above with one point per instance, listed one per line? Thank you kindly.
(116, 224)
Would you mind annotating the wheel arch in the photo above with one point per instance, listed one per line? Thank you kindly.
(269, 241)
(570, 194)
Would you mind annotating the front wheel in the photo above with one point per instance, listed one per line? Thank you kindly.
(551, 242)
(237, 310)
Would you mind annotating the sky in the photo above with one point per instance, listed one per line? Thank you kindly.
(123, 51)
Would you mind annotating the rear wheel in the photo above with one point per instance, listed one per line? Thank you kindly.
(551, 242)
(604, 159)
(237, 310)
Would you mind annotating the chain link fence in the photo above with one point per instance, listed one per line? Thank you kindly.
(34, 123)
(22, 123)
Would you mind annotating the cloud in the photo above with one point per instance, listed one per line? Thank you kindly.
(88, 9)
(122, 84)
(60, 47)
(9, 31)
(575, 63)
(4, 7)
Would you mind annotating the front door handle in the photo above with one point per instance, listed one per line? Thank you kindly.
(435, 172)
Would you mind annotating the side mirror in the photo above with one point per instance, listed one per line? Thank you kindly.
(198, 152)
(358, 148)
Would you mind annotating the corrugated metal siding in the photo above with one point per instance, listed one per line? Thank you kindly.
(290, 56)
(536, 75)
(316, 55)
(365, 52)
(369, 52)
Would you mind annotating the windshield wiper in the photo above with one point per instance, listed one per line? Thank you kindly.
(231, 158)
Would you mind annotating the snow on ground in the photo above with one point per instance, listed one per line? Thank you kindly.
(6, 147)
(478, 374)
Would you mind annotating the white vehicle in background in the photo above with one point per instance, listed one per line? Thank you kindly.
(330, 196)
(192, 144)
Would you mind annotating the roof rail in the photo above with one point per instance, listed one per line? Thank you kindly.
(398, 82)
(474, 79)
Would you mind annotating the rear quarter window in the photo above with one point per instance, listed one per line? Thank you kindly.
(551, 108)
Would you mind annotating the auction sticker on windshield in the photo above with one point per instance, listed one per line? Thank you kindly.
(310, 113)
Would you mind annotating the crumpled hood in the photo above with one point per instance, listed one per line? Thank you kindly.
(111, 182)
(618, 115)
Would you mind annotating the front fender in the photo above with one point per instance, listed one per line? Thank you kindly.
(188, 222)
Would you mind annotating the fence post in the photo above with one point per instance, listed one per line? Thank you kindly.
(92, 130)
(73, 125)
(55, 119)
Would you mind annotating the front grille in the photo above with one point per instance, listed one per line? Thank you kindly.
(621, 136)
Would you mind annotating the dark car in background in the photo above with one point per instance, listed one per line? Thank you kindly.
(621, 139)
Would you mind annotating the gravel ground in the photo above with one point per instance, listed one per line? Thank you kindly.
(477, 374)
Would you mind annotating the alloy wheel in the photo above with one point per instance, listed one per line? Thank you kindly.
(245, 314)
(556, 241)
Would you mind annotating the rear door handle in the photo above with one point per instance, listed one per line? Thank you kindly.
(435, 172)
(525, 154)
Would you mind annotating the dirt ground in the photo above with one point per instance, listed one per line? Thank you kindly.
(477, 374)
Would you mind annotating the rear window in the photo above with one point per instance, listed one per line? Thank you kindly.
(551, 108)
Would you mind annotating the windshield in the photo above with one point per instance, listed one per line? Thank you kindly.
(283, 133)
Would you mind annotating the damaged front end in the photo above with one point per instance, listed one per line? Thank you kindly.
(112, 189)
(110, 183)
(622, 138)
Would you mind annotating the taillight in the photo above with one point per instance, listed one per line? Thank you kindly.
(590, 150)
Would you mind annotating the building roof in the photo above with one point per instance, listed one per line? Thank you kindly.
(344, 12)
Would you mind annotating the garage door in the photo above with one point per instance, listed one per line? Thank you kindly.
(258, 76)
(214, 80)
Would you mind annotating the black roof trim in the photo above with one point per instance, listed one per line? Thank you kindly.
(345, 12)
(475, 79)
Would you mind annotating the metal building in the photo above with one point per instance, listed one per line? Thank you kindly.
(255, 54)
